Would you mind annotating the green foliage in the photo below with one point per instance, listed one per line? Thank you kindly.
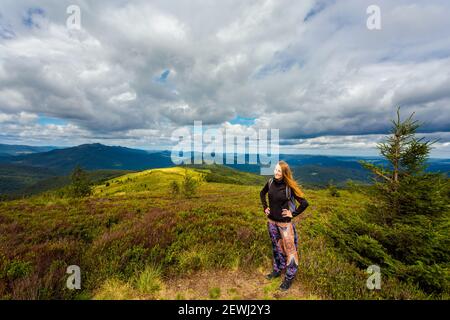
(328, 273)
(211, 237)
(149, 281)
(22, 181)
(405, 229)
(214, 293)
(317, 175)
(15, 178)
(81, 185)
(115, 289)
(174, 189)
(189, 185)
(332, 189)
(404, 186)
(126, 239)
(352, 186)
(17, 269)
(224, 174)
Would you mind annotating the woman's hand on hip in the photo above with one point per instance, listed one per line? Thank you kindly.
(286, 213)
(267, 211)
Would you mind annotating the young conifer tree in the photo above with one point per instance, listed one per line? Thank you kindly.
(81, 185)
(404, 187)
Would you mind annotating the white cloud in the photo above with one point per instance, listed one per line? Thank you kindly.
(325, 77)
(123, 97)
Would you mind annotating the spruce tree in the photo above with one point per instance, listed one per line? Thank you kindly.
(410, 210)
(174, 189)
(404, 187)
(80, 186)
(189, 185)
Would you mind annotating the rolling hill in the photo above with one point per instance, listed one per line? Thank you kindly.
(36, 172)
(26, 173)
(135, 239)
(15, 150)
(94, 156)
(20, 180)
(14, 178)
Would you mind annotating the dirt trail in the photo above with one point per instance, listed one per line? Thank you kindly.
(229, 285)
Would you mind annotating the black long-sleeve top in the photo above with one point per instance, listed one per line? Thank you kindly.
(278, 200)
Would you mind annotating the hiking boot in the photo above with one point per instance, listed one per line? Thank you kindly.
(285, 285)
(272, 275)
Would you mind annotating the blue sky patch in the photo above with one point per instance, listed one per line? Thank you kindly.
(243, 121)
(27, 20)
(163, 77)
(43, 120)
(318, 7)
(281, 62)
(6, 31)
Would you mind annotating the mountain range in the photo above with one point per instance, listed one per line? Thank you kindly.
(25, 168)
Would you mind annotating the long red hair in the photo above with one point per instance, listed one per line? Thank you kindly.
(289, 179)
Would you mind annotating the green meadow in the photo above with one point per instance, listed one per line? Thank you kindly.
(134, 238)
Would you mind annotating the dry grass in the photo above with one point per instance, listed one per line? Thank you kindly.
(231, 285)
(206, 285)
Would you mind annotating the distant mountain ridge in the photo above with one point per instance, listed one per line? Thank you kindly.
(25, 171)
(93, 157)
(15, 150)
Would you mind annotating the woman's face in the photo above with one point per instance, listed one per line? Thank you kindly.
(277, 172)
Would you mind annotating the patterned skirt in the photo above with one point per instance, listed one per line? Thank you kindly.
(285, 245)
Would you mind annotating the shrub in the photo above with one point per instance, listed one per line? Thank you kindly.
(351, 186)
(410, 216)
(18, 269)
(332, 189)
(189, 186)
(114, 289)
(214, 293)
(174, 189)
(149, 281)
(80, 185)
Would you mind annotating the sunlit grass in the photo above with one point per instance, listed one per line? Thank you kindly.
(124, 230)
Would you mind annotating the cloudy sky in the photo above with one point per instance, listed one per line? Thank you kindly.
(138, 70)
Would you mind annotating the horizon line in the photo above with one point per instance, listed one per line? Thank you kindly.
(165, 149)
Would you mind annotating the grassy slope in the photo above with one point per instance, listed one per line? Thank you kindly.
(132, 239)
(18, 181)
(14, 178)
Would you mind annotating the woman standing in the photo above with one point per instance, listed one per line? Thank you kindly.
(281, 230)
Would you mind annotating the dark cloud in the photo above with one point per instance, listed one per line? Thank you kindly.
(310, 69)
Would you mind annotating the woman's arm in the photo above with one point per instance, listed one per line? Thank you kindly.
(303, 204)
(262, 195)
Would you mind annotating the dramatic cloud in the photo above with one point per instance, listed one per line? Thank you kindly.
(137, 71)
